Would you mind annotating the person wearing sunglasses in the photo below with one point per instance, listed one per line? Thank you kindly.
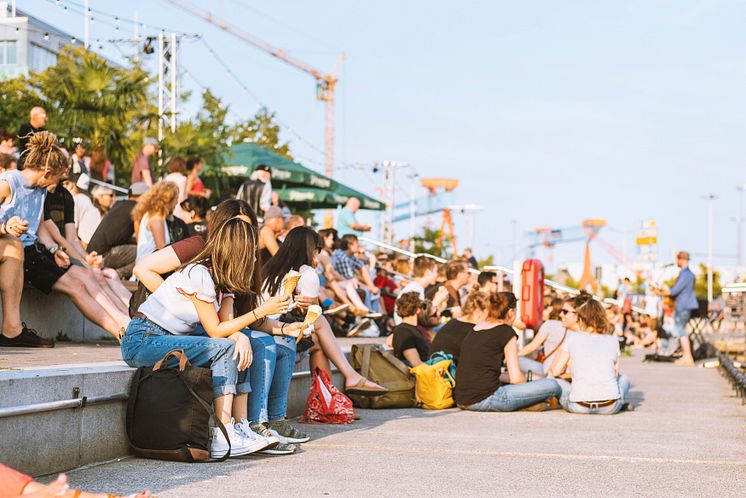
(561, 323)
(597, 386)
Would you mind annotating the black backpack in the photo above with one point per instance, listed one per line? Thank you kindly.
(169, 411)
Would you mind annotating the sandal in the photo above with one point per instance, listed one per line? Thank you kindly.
(359, 389)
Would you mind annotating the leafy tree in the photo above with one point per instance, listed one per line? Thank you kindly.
(261, 129)
(89, 98)
(427, 243)
(17, 97)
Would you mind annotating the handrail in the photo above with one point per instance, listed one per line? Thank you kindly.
(497, 268)
(109, 185)
(51, 406)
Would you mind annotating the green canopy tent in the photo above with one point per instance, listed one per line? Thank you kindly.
(294, 183)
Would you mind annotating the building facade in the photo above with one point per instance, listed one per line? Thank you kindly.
(27, 44)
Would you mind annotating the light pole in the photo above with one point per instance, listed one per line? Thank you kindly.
(739, 221)
(710, 198)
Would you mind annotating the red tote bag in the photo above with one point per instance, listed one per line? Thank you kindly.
(326, 404)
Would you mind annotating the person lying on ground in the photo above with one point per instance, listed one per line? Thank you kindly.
(202, 292)
(480, 386)
(299, 253)
(597, 385)
(47, 268)
(451, 336)
(14, 484)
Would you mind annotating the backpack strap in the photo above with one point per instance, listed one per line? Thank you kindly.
(557, 346)
(396, 362)
(213, 415)
(365, 366)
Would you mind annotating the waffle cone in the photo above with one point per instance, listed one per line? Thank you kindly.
(290, 281)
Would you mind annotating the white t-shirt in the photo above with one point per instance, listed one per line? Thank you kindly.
(593, 358)
(308, 285)
(554, 330)
(171, 307)
(413, 286)
(145, 241)
(87, 217)
(180, 180)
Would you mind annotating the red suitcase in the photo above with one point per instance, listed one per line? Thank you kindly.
(532, 293)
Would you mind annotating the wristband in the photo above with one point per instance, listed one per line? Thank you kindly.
(282, 328)
(256, 317)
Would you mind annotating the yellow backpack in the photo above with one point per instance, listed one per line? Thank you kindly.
(434, 385)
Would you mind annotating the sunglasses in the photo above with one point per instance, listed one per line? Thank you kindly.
(564, 311)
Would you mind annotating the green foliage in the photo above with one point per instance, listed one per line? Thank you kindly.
(17, 97)
(113, 106)
(262, 129)
(427, 243)
(488, 261)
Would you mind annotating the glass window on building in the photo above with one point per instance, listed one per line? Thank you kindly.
(8, 55)
(40, 58)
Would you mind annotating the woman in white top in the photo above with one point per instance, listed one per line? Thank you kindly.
(300, 252)
(202, 293)
(597, 386)
(177, 176)
(150, 215)
(551, 335)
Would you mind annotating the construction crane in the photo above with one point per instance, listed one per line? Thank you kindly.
(433, 185)
(325, 83)
(587, 232)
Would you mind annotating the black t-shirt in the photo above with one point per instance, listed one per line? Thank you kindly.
(59, 206)
(480, 362)
(408, 337)
(450, 337)
(197, 228)
(25, 132)
(116, 228)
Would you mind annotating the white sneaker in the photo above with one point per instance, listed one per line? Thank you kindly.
(257, 441)
(219, 445)
(360, 325)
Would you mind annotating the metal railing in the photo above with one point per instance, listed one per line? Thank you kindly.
(496, 268)
(65, 404)
(736, 376)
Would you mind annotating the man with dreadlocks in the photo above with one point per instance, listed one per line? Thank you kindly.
(45, 267)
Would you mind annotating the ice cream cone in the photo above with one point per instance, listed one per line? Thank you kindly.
(314, 311)
(289, 282)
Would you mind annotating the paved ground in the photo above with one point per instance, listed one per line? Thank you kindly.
(687, 438)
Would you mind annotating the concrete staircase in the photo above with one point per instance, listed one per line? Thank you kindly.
(45, 427)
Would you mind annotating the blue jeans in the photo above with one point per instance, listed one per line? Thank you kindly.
(277, 400)
(680, 318)
(146, 343)
(611, 409)
(511, 397)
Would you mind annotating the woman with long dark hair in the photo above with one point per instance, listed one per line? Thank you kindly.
(300, 252)
(274, 355)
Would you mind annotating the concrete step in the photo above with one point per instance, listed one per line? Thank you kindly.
(54, 315)
(40, 443)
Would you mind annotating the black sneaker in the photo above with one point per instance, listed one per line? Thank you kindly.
(28, 338)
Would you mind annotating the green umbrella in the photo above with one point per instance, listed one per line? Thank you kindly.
(295, 183)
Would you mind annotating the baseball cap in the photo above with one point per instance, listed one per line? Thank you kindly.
(263, 167)
(273, 212)
(137, 188)
(150, 141)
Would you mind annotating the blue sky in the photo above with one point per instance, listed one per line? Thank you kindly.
(548, 112)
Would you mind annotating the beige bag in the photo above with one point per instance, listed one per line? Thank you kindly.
(380, 366)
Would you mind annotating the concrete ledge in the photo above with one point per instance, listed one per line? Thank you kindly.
(55, 441)
(53, 314)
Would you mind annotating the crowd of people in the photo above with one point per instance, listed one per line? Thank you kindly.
(214, 276)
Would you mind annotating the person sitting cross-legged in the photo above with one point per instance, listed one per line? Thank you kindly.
(481, 385)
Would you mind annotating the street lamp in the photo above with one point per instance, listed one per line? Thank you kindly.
(709, 198)
(739, 221)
